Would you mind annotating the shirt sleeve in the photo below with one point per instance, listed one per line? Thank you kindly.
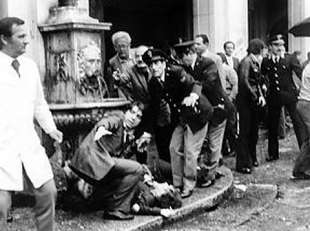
(41, 109)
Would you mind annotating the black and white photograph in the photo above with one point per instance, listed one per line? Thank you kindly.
(144, 115)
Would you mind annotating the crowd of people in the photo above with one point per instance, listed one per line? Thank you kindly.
(195, 104)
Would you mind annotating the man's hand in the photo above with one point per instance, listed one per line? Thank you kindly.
(167, 212)
(101, 131)
(261, 101)
(264, 88)
(119, 76)
(56, 135)
(190, 100)
(143, 141)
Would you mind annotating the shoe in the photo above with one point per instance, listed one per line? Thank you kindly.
(300, 176)
(255, 164)
(221, 162)
(117, 215)
(186, 193)
(244, 170)
(206, 184)
(269, 159)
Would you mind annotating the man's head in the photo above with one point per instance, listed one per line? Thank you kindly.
(186, 52)
(201, 43)
(13, 40)
(133, 115)
(297, 55)
(256, 47)
(276, 44)
(229, 48)
(121, 41)
(156, 60)
(140, 50)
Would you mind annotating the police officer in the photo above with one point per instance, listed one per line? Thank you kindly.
(174, 96)
(281, 92)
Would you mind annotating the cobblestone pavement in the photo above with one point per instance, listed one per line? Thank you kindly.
(265, 200)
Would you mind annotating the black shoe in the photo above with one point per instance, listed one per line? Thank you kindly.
(186, 193)
(300, 176)
(255, 164)
(244, 170)
(269, 159)
(117, 215)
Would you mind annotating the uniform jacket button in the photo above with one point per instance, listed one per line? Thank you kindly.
(278, 89)
(276, 75)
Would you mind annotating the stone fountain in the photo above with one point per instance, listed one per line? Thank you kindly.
(75, 86)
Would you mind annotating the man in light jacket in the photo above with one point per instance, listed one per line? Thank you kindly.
(23, 161)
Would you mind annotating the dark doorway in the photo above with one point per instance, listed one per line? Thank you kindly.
(150, 22)
(267, 17)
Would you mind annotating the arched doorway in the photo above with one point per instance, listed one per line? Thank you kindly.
(267, 17)
(151, 22)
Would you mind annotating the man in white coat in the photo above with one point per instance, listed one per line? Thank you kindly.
(23, 162)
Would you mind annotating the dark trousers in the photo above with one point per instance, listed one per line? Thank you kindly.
(162, 139)
(248, 133)
(302, 163)
(273, 127)
(231, 134)
(116, 191)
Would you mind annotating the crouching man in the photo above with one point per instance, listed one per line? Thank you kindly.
(105, 179)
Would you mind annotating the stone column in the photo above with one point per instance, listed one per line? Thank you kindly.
(297, 11)
(222, 20)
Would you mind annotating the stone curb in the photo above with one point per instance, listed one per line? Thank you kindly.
(222, 188)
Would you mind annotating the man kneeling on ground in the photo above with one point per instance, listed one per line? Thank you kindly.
(107, 180)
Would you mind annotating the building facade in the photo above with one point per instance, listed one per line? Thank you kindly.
(163, 22)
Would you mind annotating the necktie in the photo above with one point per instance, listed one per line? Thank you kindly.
(15, 64)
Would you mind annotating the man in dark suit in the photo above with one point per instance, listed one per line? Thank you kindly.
(229, 59)
(99, 162)
(135, 88)
(174, 98)
(281, 92)
(205, 71)
(118, 65)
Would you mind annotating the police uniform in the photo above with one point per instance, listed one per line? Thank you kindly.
(281, 92)
(166, 103)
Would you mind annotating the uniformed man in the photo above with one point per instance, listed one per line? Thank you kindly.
(281, 92)
(174, 96)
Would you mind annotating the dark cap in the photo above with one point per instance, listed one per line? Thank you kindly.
(152, 55)
(183, 47)
(277, 38)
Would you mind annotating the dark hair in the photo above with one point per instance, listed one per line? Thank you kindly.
(139, 104)
(255, 46)
(170, 199)
(7, 23)
(229, 42)
(204, 37)
(296, 53)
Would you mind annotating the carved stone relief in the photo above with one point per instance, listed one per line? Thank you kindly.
(90, 79)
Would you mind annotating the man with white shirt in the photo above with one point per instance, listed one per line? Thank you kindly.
(302, 164)
(23, 161)
(230, 60)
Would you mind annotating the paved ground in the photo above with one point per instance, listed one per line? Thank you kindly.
(265, 200)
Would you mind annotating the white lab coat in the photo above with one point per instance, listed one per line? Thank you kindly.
(22, 101)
